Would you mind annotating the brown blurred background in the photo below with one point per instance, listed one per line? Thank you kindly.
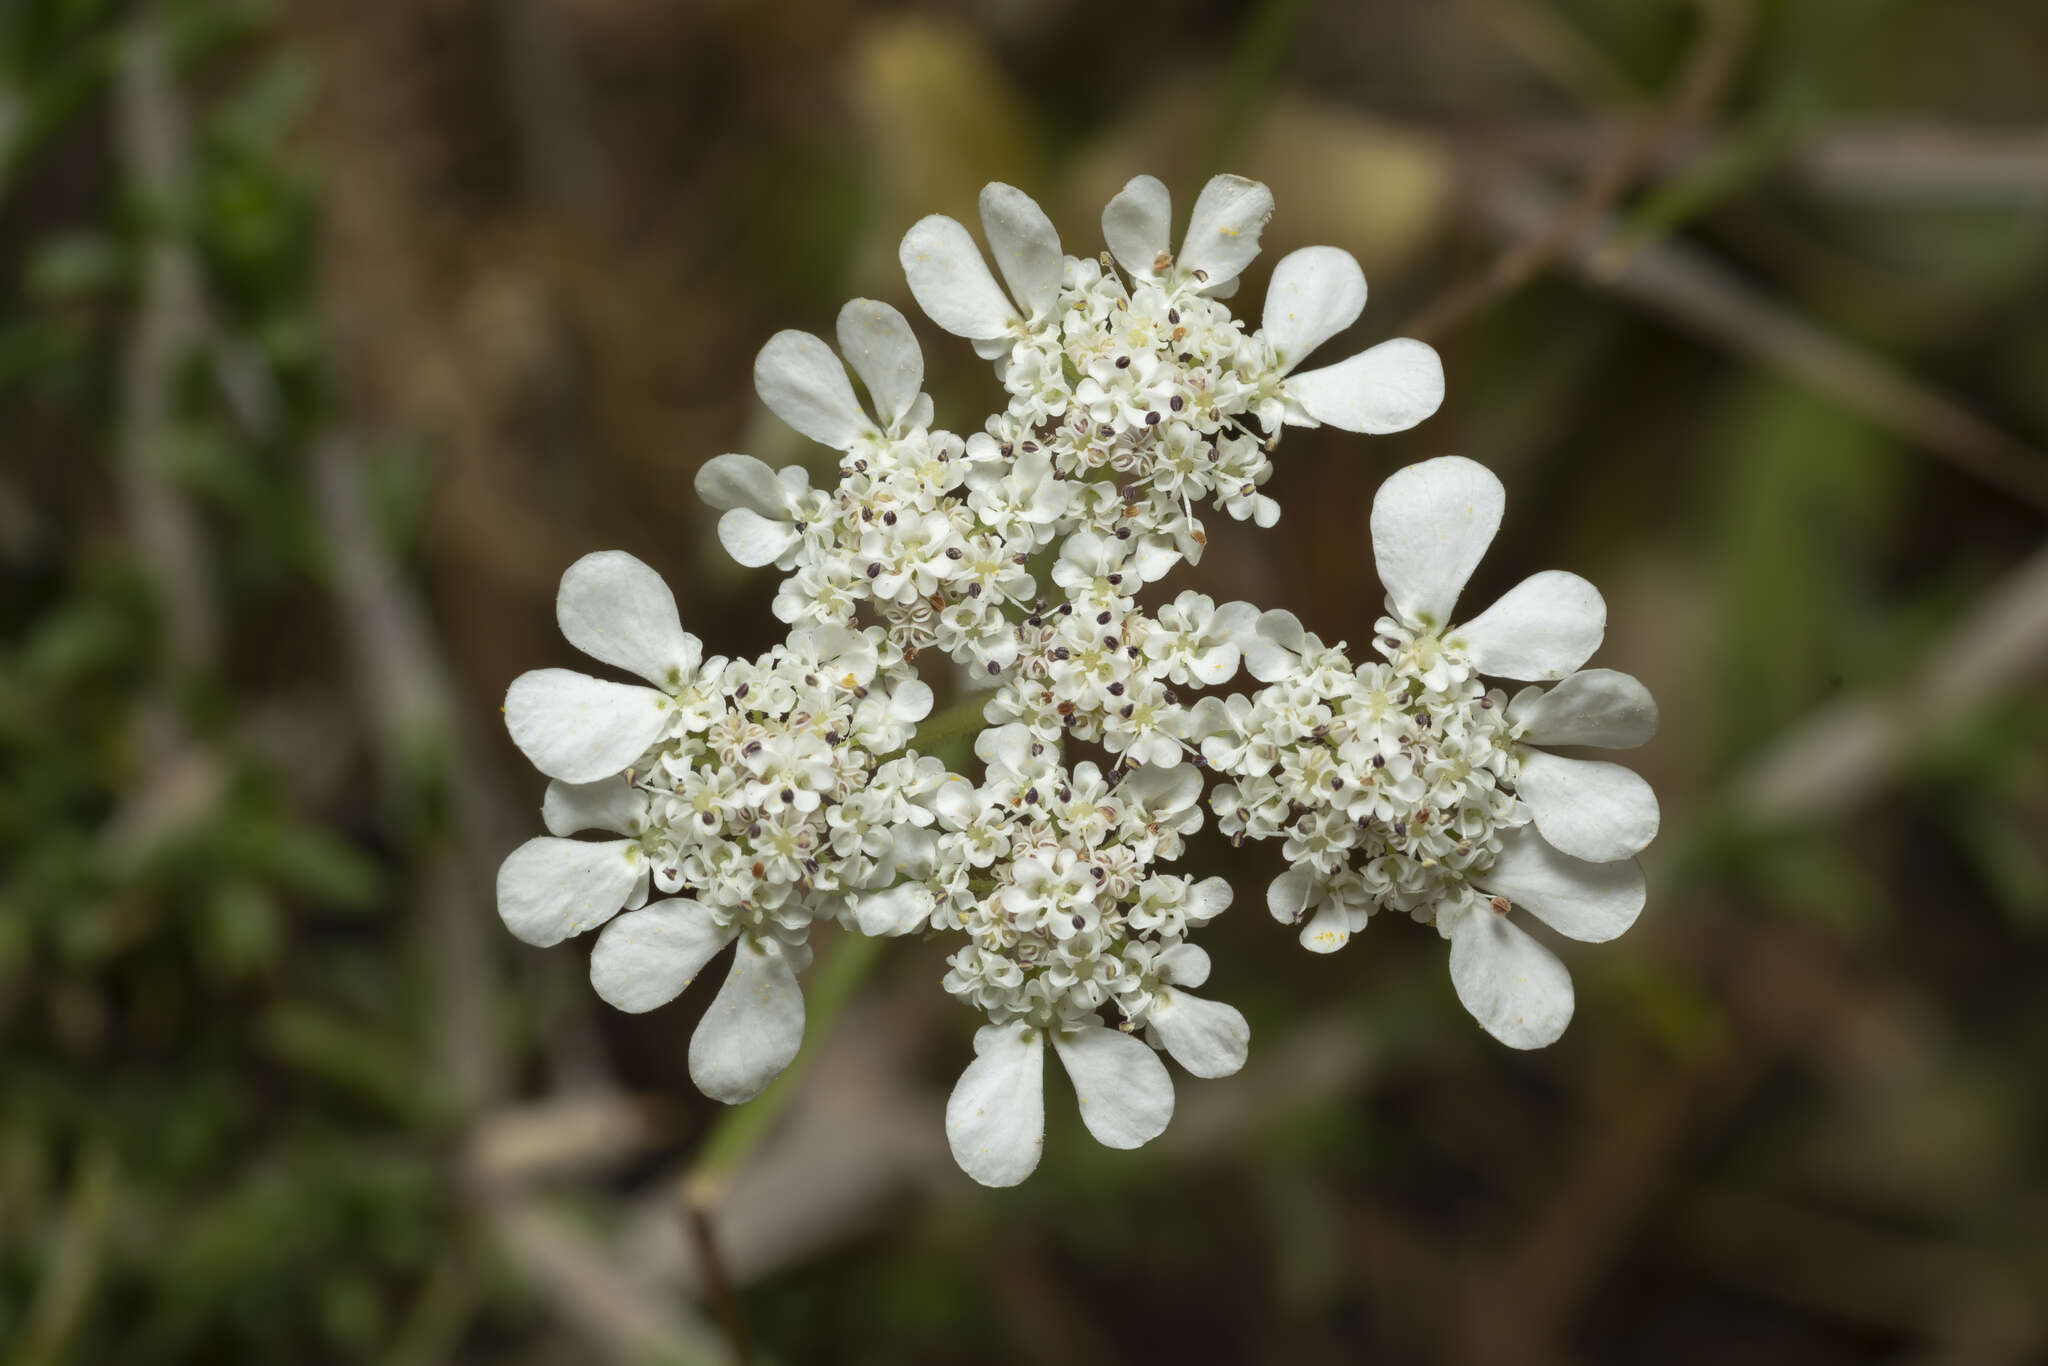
(331, 332)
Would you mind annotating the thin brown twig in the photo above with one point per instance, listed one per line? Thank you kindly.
(1706, 73)
(1685, 286)
(699, 1211)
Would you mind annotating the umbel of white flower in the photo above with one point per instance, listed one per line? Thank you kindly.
(737, 803)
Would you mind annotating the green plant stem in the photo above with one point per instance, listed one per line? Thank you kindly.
(956, 722)
(1261, 47)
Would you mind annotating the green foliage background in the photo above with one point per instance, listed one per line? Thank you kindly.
(331, 331)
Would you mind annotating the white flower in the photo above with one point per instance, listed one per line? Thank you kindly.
(752, 798)
(805, 385)
(765, 513)
(1316, 293)
(759, 790)
(577, 728)
(953, 285)
(755, 1025)
(995, 1118)
(1222, 237)
(1208, 1038)
(1409, 785)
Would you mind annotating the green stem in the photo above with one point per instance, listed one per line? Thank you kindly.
(1261, 47)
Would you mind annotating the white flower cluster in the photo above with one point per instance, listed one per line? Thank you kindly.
(1409, 785)
(758, 797)
(759, 788)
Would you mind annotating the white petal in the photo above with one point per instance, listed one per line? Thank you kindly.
(615, 609)
(1316, 293)
(951, 282)
(878, 343)
(995, 1118)
(1125, 1093)
(912, 701)
(1431, 523)
(754, 1027)
(1593, 707)
(1026, 246)
(805, 385)
(1589, 902)
(1223, 234)
(1328, 930)
(1513, 986)
(1138, 225)
(1289, 894)
(753, 540)
(1544, 627)
(1183, 965)
(578, 728)
(1208, 899)
(1385, 388)
(1006, 748)
(1153, 559)
(1589, 809)
(646, 958)
(1270, 650)
(1157, 791)
(900, 909)
(741, 481)
(610, 804)
(1208, 1038)
(549, 889)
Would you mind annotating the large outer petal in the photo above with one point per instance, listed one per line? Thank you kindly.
(611, 804)
(1589, 902)
(1385, 388)
(742, 481)
(549, 889)
(1316, 293)
(753, 540)
(1431, 524)
(578, 728)
(1126, 1095)
(1544, 627)
(1593, 707)
(646, 958)
(995, 1118)
(754, 1027)
(1026, 246)
(1208, 1038)
(617, 610)
(1223, 234)
(805, 385)
(1592, 810)
(1517, 989)
(951, 282)
(878, 343)
(1138, 225)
